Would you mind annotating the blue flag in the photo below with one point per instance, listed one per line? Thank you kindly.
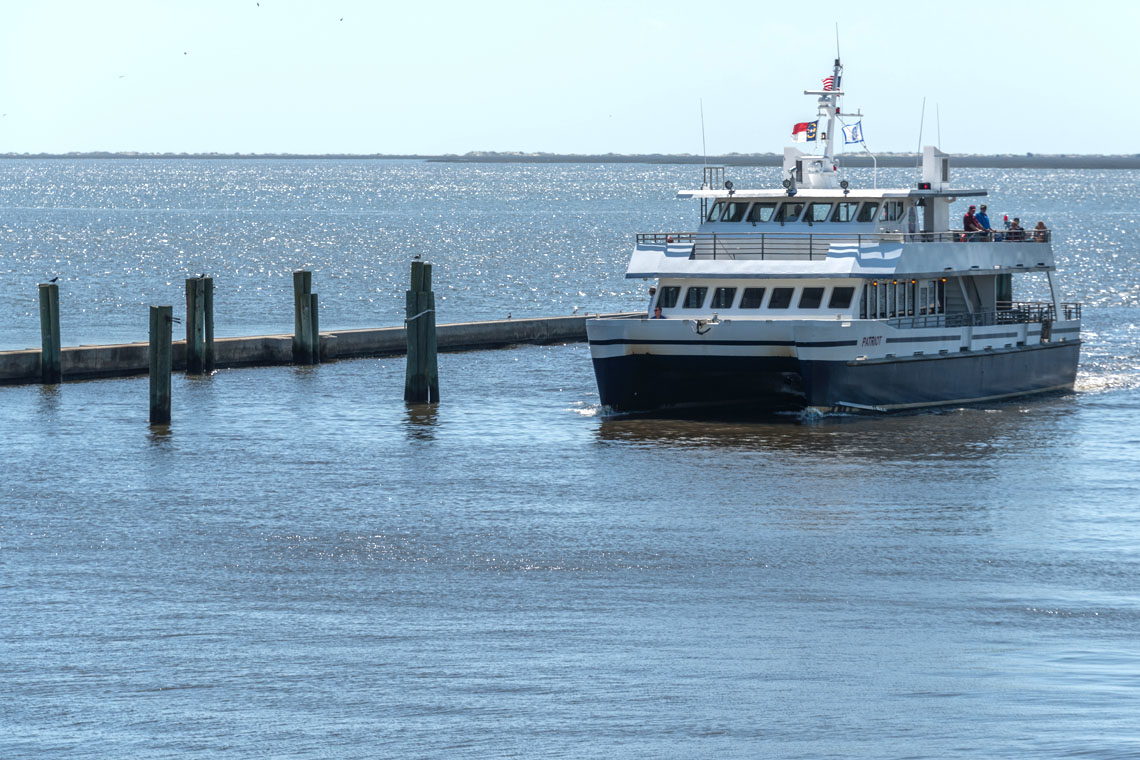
(853, 133)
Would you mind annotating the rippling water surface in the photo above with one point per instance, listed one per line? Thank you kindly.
(303, 566)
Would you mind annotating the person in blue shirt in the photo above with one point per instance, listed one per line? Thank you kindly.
(984, 220)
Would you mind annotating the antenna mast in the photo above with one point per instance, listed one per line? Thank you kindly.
(704, 147)
(921, 121)
(831, 103)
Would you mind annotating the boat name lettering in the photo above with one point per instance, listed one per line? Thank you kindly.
(873, 340)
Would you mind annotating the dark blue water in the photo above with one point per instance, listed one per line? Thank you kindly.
(303, 566)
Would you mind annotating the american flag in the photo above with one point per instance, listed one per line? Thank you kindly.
(829, 83)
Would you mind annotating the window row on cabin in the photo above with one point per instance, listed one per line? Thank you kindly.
(752, 298)
(883, 299)
(817, 212)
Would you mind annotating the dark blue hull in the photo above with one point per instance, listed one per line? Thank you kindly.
(642, 383)
(650, 382)
(929, 381)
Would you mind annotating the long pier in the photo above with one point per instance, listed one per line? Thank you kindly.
(125, 359)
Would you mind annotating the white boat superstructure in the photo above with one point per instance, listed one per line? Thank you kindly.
(817, 294)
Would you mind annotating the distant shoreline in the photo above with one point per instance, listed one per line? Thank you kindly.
(854, 160)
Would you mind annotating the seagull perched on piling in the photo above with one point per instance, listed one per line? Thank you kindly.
(54, 279)
(417, 257)
(508, 316)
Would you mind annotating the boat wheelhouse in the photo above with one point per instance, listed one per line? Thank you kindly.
(819, 295)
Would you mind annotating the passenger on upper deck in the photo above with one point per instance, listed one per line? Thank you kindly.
(1040, 233)
(1016, 233)
(984, 219)
(971, 225)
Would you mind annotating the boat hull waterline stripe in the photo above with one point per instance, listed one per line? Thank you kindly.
(651, 342)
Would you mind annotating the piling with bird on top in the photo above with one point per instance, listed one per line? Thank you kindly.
(421, 381)
(200, 325)
(51, 365)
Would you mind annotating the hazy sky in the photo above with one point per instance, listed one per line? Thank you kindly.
(360, 76)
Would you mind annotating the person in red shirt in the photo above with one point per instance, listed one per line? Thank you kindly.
(971, 225)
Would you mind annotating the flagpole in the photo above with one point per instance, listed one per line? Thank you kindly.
(874, 167)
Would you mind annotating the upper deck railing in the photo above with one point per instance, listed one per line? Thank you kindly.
(1007, 313)
(813, 245)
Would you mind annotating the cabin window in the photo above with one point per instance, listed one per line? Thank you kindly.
(667, 296)
(892, 211)
(723, 298)
(818, 212)
(811, 298)
(898, 298)
(761, 212)
(789, 212)
(867, 213)
(752, 298)
(695, 298)
(716, 211)
(734, 211)
(841, 298)
(781, 298)
(844, 212)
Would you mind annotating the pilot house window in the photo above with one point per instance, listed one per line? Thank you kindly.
(789, 212)
(752, 298)
(695, 297)
(811, 298)
(761, 212)
(844, 212)
(667, 298)
(841, 298)
(867, 213)
(781, 298)
(818, 212)
(892, 211)
(723, 297)
(734, 211)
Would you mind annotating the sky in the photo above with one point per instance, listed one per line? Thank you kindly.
(373, 76)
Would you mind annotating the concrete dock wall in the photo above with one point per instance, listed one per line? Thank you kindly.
(82, 362)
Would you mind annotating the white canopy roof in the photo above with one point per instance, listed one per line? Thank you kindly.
(832, 193)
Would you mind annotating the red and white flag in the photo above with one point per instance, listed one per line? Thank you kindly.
(805, 131)
(829, 83)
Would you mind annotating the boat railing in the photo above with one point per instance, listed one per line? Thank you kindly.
(1007, 313)
(809, 245)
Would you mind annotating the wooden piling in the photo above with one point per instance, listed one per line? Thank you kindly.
(315, 328)
(421, 380)
(305, 336)
(51, 367)
(199, 325)
(161, 333)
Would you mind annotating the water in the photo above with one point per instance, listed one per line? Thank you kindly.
(303, 566)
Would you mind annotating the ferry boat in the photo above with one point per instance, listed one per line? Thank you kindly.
(821, 296)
